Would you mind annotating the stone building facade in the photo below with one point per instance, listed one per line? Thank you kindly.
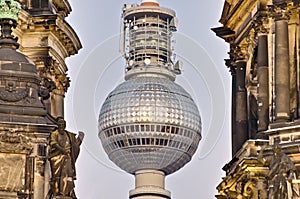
(263, 36)
(33, 83)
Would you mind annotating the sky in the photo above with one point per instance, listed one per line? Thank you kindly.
(98, 68)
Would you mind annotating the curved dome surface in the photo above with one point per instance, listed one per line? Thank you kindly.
(16, 63)
(149, 122)
(9, 54)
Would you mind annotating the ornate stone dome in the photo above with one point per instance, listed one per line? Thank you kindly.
(20, 84)
(149, 122)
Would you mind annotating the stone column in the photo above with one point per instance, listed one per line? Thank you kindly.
(241, 120)
(282, 71)
(263, 82)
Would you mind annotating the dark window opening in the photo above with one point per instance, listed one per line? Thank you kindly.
(39, 4)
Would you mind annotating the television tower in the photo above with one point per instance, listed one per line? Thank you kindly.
(148, 125)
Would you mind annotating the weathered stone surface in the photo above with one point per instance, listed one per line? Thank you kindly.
(12, 172)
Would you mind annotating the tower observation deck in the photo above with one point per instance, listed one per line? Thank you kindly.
(148, 125)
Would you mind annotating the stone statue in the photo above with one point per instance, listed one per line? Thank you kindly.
(281, 173)
(64, 150)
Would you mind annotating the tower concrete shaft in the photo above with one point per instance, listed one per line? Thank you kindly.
(149, 184)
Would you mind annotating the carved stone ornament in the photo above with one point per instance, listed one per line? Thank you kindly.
(246, 186)
(249, 188)
(13, 142)
(260, 25)
(47, 86)
(64, 82)
(280, 12)
(13, 94)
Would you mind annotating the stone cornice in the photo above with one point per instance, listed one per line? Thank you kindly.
(73, 40)
(62, 7)
(225, 33)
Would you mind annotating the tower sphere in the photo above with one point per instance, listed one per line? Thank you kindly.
(149, 122)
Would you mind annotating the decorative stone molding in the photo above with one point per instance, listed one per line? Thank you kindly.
(12, 94)
(19, 90)
(14, 142)
(51, 75)
(62, 7)
(246, 186)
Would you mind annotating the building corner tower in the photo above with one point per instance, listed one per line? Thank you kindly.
(263, 36)
(32, 73)
(148, 125)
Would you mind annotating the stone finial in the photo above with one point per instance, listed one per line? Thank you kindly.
(9, 9)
